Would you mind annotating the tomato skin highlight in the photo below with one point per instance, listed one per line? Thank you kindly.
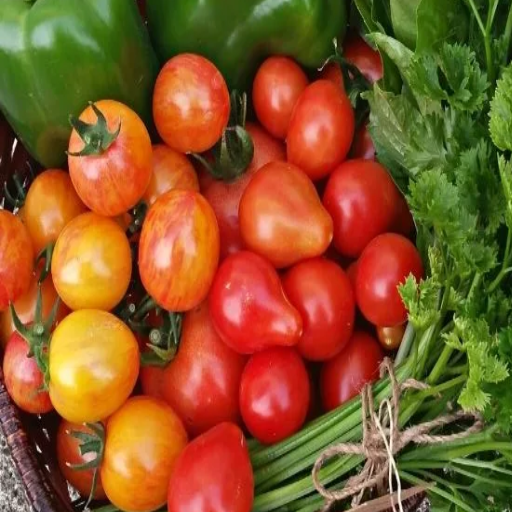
(92, 263)
(274, 394)
(391, 337)
(321, 129)
(191, 103)
(179, 250)
(171, 170)
(16, 259)
(385, 264)
(201, 383)
(94, 365)
(248, 307)
(50, 204)
(213, 474)
(144, 439)
(282, 217)
(224, 196)
(68, 453)
(323, 295)
(113, 182)
(23, 378)
(362, 199)
(343, 377)
(277, 86)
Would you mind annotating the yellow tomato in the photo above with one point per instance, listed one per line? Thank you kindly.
(94, 365)
(92, 263)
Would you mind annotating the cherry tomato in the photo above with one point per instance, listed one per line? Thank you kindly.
(179, 250)
(249, 308)
(391, 337)
(92, 263)
(281, 216)
(362, 200)
(68, 453)
(144, 440)
(332, 72)
(115, 180)
(323, 295)
(403, 223)
(23, 378)
(364, 57)
(224, 196)
(363, 147)
(201, 383)
(94, 365)
(213, 474)
(321, 129)
(351, 273)
(343, 377)
(274, 394)
(386, 263)
(277, 86)
(171, 170)
(25, 307)
(190, 103)
(16, 259)
(50, 204)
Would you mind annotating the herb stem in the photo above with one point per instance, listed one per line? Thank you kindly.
(440, 366)
(508, 35)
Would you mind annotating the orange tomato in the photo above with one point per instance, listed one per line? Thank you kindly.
(179, 250)
(391, 337)
(16, 259)
(144, 439)
(92, 263)
(50, 204)
(68, 453)
(113, 181)
(94, 365)
(171, 170)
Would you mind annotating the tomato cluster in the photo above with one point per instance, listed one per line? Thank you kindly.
(262, 279)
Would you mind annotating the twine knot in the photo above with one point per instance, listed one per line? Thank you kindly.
(382, 440)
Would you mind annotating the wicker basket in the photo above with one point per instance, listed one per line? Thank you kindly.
(31, 439)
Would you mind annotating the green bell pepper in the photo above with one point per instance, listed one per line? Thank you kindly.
(236, 35)
(57, 55)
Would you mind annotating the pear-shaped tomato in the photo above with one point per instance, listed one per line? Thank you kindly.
(179, 250)
(282, 217)
(249, 308)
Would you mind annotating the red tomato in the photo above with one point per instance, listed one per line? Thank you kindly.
(190, 103)
(50, 204)
(274, 394)
(281, 216)
(364, 57)
(344, 376)
(249, 308)
(151, 380)
(144, 440)
(321, 129)
(92, 263)
(362, 200)
(404, 223)
(277, 86)
(115, 180)
(201, 383)
(385, 263)
(213, 474)
(179, 250)
(25, 307)
(363, 147)
(16, 259)
(224, 196)
(323, 295)
(332, 72)
(351, 273)
(171, 170)
(68, 453)
(391, 337)
(23, 378)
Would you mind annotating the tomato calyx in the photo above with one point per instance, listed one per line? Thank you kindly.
(45, 255)
(138, 214)
(37, 335)
(17, 199)
(96, 137)
(163, 341)
(90, 443)
(234, 152)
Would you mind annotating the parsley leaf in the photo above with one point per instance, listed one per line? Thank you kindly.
(500, 124)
